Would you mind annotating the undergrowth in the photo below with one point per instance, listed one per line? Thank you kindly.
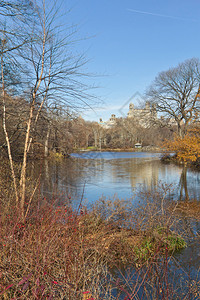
(114, 250)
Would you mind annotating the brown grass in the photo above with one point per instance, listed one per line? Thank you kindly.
(59, 253)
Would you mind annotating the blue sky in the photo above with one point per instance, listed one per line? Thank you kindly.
(128, 42)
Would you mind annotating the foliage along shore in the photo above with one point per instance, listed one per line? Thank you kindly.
(186, 148)
(167, 158)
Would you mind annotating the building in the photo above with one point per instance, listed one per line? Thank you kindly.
(145, 117)
(108, 124)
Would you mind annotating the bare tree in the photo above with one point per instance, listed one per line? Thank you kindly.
(15, 17)
(176, 93)
(14, 8)
(50, 72)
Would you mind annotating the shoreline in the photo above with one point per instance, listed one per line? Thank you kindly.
(143, 149)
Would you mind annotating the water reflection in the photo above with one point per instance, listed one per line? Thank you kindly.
(93, 175)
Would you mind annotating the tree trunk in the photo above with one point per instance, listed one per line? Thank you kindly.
(179, 130)
(46, 143)
(100, 141)
(95, 138)
(87, 139)
(24, 164)
(6, 134)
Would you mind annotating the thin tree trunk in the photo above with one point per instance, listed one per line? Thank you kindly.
(6, 134)
(95, 138)
(100, 141)
(24, 164)
(87, 138)
(46, 143)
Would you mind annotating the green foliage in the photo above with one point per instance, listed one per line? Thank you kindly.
(175, 243)
(144, 251)
(160, 239)
(56, 155)
(91, 148)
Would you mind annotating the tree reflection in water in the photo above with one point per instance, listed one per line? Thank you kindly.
(108, 175)
(183, 184)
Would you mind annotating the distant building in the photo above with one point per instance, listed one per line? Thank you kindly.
(108, 124)
(169, 121)
(143, 116)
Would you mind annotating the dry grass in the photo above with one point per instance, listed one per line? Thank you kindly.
(190, 209)
(47, 257)
(59, 253)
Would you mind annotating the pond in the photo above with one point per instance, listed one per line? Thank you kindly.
(88, 176)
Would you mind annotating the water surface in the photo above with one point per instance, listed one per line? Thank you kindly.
(87, 176)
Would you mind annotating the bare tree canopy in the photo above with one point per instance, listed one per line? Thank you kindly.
(14, 7)
(176, 93)
(40, 66)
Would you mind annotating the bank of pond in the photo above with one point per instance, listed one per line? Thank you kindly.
(105, 226)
